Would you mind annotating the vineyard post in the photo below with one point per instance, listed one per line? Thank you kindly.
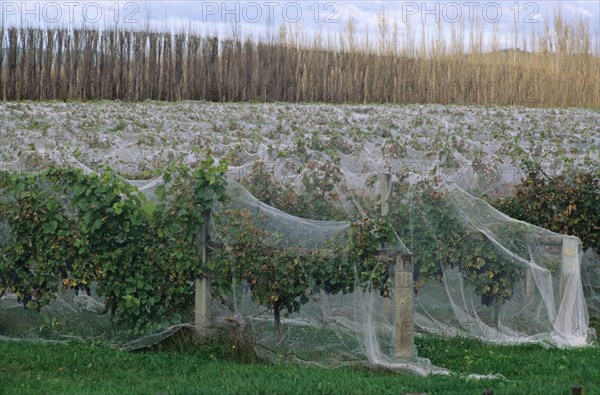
(202, 300)
(403, 286)
(529, 284)
(384, 191)
(384, 185)
(403, 289)
(569, 261)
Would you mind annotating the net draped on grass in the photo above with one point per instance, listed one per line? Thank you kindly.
(300, 269)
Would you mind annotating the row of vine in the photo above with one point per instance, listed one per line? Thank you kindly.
(68, 230)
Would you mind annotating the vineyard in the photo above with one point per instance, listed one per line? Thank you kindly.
(189, 210)
(300, 228)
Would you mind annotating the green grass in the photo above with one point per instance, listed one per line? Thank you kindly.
(29, 368)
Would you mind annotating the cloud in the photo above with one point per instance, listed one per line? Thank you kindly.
(327, 17)
(578, 11)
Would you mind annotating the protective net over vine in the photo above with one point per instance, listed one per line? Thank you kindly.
(591, 282)
(313, 267)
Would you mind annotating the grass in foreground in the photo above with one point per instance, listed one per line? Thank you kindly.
(28, 368)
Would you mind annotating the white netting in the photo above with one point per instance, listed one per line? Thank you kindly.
(590, 269)
(477, 273)
(294, 211)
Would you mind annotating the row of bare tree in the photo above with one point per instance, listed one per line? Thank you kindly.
(85, 64)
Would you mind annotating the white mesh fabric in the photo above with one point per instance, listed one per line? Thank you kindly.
(551, 285)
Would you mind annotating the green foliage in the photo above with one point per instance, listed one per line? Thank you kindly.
(420, 215)
(318, 199)
(370, 237)
(280, 278)
(283, 278)
(430, 226)
(35, 257)
(70, 228)
(143, 254)
(566, 204)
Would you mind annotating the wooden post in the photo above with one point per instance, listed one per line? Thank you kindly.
(384, 185)
(202, 299)
(529, 285)
(203, 319)
(403, 289)
(569, 262)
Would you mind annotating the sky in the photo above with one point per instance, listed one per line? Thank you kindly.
(311, 17)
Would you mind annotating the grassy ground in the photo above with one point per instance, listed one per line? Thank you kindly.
(27, 368)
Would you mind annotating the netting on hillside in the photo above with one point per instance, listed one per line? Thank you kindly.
(311, 267)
